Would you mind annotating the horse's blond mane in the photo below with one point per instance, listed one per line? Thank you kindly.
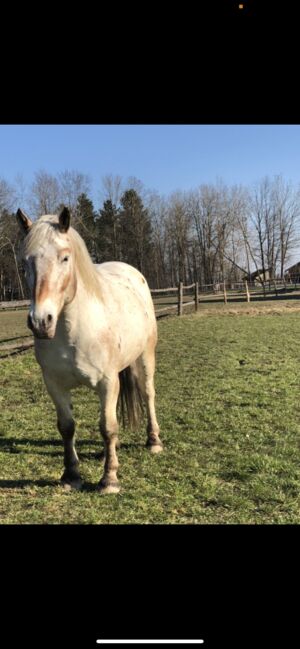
(84, 265)
(46, 229)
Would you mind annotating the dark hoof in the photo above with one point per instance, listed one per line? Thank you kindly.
(73, 485)
(71, 480)
(108, 487)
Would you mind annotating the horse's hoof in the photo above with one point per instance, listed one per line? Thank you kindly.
(72, 485)
(75, 485)
(110, 488)
(156, 448)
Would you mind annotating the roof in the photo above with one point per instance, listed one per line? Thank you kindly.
(294, 266)
(256, 273)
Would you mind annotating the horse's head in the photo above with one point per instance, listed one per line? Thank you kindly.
(49, 269)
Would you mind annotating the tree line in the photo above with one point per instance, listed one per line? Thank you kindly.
(210, 234)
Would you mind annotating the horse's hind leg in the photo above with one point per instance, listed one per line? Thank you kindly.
(66, 427)
(145, 368)
(109, 392)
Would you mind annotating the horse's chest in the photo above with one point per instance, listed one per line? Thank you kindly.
(69, 366)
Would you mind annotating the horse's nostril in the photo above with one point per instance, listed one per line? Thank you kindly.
(49, 318)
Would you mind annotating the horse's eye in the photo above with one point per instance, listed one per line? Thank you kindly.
(66, 258)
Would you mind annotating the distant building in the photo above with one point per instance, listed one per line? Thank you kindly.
(258, 276)
(292, 273)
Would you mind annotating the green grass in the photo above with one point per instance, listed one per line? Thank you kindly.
(228, 405)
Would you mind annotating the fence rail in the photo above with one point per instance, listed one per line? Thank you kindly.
(164, 290)
(226, 291)
(180, 303)
(201, 293)
(14, 304)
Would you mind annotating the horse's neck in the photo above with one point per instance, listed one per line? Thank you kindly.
(84, 307)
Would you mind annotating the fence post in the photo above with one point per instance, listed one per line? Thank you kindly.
(196, 295)
(180, 297)
(247, 291)
(225, 294)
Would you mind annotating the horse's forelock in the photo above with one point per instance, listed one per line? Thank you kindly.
(46, 229)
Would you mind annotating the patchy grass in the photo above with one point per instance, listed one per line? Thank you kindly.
(13, 324)
(228, 405)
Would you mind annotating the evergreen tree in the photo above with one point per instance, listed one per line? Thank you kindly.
(84, 221)
(136, 232)
(108, 232)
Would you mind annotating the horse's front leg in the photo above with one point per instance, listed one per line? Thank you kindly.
(109, 392)
(66, 426)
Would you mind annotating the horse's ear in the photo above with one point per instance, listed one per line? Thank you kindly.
(24, 221)
(64, 219)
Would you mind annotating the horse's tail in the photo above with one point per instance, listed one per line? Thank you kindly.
(130, 399)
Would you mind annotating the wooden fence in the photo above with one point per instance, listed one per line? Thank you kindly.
(14, 304)
(221, 291)
(180, 304)
(179, 300)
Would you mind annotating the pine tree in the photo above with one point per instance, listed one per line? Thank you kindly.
(108, 232)
(136, 231)
(84, 221)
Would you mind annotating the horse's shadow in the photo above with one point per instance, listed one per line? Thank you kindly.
(10, 444)
(14, 441)
(20, 484)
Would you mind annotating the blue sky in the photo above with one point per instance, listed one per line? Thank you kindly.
(164, 158)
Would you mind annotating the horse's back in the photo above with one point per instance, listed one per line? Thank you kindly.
(121, 275)
(121, 269)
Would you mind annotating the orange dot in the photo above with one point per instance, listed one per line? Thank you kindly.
(241, 6)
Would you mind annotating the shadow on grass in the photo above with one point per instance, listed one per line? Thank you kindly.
(19, 484)
(9, 443)
(15, 441)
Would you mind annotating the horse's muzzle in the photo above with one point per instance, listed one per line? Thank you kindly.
(41, 328)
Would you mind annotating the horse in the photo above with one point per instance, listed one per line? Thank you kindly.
(93, 325)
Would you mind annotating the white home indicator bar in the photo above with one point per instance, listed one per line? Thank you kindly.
(150, 641)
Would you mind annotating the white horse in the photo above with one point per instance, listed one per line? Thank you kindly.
(93, 325)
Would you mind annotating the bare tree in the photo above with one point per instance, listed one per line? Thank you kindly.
(21, 192)
(157, 208)
(45, 194)
(271, 232)
(178, 223)
(7, 195)
(286, 206)
(236, 252)
(112, 189)
(11, 284)
(72, 184)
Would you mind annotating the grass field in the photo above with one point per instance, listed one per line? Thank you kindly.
(13, 323)
(227, 385)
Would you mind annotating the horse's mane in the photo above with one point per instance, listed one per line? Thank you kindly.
(46, 229)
